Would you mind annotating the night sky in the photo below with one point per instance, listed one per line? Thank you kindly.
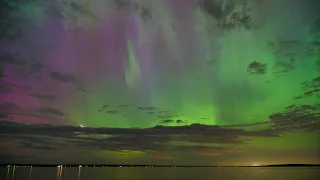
(196, 82)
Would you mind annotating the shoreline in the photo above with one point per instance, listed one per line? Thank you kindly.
(142, 165)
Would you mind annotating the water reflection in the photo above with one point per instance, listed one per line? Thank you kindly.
(13, 171)
(103, 173)
(30, 173)
(8, 171)
(59, 172)
(79, 172)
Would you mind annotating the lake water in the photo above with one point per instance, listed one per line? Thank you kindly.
(157, 173)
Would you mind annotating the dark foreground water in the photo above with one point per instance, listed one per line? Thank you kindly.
(135, 173)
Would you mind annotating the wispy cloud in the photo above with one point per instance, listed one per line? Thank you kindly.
(256, 68)
(5, 89)
(284, 66)
(12, 111)
(9, 106)
(46, 97)
(46, 111)
(310, 88)
(12, 59)
(306, 117)
(14, 86)
(66, 78)
(147, 108)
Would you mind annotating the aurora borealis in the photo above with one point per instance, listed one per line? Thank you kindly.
(185, 81)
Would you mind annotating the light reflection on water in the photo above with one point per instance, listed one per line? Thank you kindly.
(141, 173)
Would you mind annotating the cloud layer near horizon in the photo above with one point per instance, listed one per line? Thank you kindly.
(159, 145)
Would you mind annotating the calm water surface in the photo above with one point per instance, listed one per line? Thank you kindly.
(134, 173)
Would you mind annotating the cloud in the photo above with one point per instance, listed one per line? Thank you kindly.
(8, 110)
(77, 8)
(147, 108)
(72, 12)
(112, 112)
(204, 150)
(163, 111)
(11, 59)
(5, 89)
(3, 115)
(145, 13)
(36, 67)
(212, 8)
(11, 22)
(165, 116)
(23, 68)
(315, 92)
(314, 83)
(45, 111)
(29, 69)
(162, 156)
(8, 106)
(256, 68)
(104, 106)
(315, 27)
(32, 145)
(14, 112)
(246, 125)
(284, 67)
(228, 18)
(55, 10)
(16, 86)
(284, 46)
(311, 88)
(125, 105)
(287, 51)
(170, 121)
(14, 158)
(62, 77)
(166, 121)
(105, 110)
(318, 62)
(288, 43)
(1, 72)
(179, 121)
(120, 4)
(294, 117)
(315, 43)
(199, 139)
(46, 97)
(148, 139)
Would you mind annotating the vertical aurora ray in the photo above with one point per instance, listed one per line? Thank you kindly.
(132, 73)
(131, 64)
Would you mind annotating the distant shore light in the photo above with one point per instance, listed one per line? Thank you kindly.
(255, 164)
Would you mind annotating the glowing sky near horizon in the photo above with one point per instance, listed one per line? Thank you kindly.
(137, 63)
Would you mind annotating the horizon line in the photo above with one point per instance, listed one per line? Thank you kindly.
(82, 126)
(143, 165)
